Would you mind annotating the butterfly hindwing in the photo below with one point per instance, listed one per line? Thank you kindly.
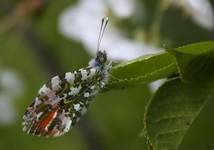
(61, 102)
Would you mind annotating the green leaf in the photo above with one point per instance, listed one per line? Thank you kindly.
(142, 70)
(193, 59)
(176, 104)
(172, 111)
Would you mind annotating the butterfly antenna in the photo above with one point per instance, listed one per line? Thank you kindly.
(102, 30)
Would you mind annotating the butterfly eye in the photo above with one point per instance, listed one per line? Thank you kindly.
(101, 57)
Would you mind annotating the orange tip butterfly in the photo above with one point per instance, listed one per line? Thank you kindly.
(62, 101)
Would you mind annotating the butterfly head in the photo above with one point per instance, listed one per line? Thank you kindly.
(101, 57)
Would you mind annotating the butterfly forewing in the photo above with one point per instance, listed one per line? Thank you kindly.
(61, 102)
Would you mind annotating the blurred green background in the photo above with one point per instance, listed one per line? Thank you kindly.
(33, 50)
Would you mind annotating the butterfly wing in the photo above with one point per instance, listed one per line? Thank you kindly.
(61, 103)
(47, 116)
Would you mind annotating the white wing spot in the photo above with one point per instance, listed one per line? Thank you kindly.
(77, 107)
(55, 83)
(92, 72)
(92, 87)
(44, 90)
(70, 77)
(38, 115)
(67, 123)
(84, 74)
(37, 102)
(86, 94)
(74, 91)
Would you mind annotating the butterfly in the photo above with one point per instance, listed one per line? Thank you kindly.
(62, 101)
